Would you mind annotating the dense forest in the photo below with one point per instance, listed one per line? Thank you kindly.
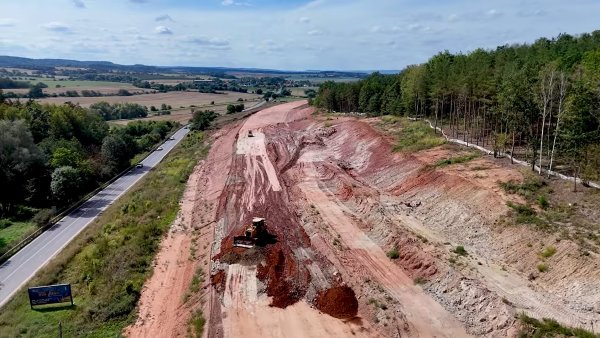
(540, 101)
(50, 155)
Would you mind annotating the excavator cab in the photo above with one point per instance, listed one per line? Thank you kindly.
(251, 234)
(250, 133)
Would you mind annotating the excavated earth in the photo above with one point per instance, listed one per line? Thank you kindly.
(336, 199)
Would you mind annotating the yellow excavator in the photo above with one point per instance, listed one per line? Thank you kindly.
(252, 233)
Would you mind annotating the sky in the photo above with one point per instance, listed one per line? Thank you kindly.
(290, 34)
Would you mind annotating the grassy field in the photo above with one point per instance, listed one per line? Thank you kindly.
(14, 233)
(109, 261)
(104, 87)
(411, 135)
(174, 99)
(299, 91)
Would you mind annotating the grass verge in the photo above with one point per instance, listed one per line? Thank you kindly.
(15, 232)
(109, 261)
(415, 136)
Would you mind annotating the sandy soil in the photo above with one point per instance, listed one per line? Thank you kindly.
(175, 99)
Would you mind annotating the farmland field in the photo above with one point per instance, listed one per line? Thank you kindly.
(104, 87)
(175, 99)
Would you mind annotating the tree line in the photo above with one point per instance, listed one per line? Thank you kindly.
(51, 155)
(539, 101)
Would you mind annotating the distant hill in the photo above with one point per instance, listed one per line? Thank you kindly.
(46, 64)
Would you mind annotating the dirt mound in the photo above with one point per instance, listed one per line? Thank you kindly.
(338, 302)
(286, 281)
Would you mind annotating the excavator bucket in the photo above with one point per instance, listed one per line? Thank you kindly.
(244, 242)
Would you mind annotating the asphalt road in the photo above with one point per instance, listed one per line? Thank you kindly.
(15, 272)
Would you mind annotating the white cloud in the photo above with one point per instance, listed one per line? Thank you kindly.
(234, 3)
(139, 1)
(304, 19)
(493, 13)
(164, 17)
(314, 32)
(7, 22)
(206, 41)
(57, 26)
(79, 3)
(163, 30)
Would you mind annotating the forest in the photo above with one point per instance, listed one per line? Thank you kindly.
(51, 155)
(540, 101)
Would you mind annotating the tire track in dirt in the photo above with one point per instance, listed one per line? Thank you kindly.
(426, 317)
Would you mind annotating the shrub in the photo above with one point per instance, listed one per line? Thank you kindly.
(42, 217)
(543, 202)
(542, 267)
(393, 254)
(5, 223)
(460, 250)
(548, 252)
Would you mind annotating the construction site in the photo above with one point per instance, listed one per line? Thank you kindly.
(306, 225)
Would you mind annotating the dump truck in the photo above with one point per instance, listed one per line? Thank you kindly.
(251, 234)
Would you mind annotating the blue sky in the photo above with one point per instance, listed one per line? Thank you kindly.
(291, 34)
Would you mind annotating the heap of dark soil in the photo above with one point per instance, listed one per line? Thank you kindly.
(338, 302)
(287, 282)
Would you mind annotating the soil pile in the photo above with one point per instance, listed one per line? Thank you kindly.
(338, 302)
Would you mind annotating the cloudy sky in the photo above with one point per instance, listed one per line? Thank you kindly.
(280, 34)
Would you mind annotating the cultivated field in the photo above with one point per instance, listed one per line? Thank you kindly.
(175, 99)
(104, 87)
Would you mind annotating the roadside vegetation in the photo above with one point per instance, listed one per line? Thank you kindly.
(52, 155)
(108, 262)
(534, 328)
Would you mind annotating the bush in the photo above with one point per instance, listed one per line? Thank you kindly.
(393, 254)
(543, 202)
(460, 250)
(231, 109)
(542, 267)
(548, 252)
(5, 223)
(42, 217)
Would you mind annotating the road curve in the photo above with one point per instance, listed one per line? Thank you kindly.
(15, 272)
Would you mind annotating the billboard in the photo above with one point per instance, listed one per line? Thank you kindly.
(50, 294)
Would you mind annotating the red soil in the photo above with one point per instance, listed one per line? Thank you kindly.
(338, 302)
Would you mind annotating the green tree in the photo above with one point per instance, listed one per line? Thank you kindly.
(18, 157)
(202, 120)
(231, 109)
(65, 185)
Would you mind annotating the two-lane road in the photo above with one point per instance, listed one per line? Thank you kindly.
(15, 272)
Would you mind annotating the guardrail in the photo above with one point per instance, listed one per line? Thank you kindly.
(65, 211)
